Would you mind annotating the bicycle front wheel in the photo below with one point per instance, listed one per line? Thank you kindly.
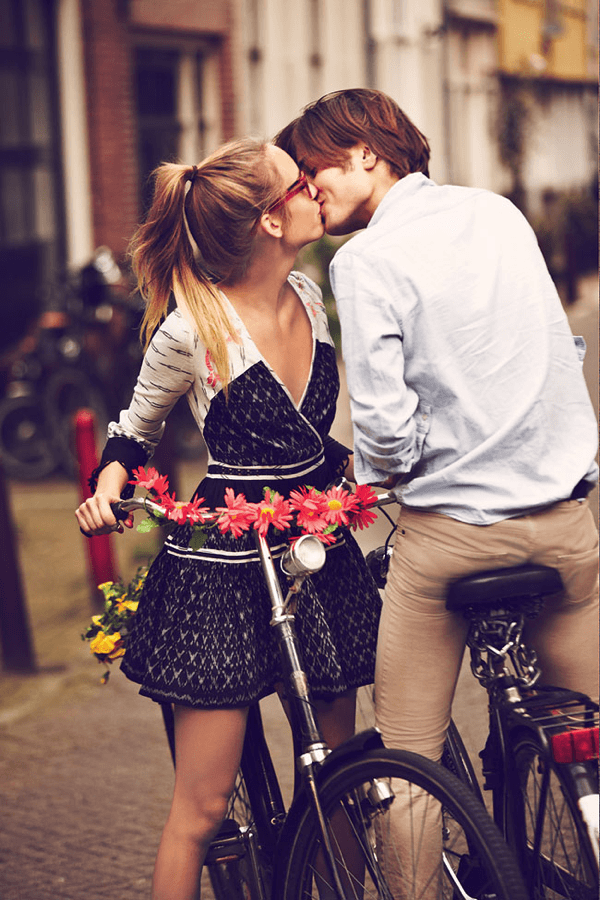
(402, 828)
(548, 828)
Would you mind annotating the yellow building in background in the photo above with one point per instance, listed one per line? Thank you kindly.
(548, 38)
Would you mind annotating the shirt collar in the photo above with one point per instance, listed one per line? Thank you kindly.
(402, 192)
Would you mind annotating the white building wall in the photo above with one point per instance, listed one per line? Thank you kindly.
(408, 65)
(344, 46)
(290, 52)
(471, 92)
(73, 116)
(562, 141)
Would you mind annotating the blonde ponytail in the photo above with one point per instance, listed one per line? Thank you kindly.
(227, 194)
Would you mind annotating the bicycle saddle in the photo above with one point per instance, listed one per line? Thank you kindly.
(495, 585)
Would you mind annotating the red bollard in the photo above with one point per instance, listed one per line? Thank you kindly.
(101, 564)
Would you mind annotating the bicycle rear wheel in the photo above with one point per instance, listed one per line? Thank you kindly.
(558, 858)
(402, 828)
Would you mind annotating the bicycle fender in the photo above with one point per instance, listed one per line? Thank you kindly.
(369, 739)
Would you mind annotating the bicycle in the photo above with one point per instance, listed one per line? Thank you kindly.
(335, 839)
(540, 757)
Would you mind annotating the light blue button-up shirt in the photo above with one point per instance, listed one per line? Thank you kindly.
(462, 370)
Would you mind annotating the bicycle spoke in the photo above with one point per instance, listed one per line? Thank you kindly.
(561, 870)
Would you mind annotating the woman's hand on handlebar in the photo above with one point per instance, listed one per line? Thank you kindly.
(95, 516)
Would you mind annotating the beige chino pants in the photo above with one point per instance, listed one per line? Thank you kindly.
(421, 644)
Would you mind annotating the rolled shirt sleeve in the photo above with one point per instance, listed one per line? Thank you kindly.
(386, 414)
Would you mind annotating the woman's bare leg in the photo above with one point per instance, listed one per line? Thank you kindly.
(208, 747)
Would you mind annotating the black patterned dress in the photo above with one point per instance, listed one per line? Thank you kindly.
(201, 636)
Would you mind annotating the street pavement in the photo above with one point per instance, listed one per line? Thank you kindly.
(85, 770)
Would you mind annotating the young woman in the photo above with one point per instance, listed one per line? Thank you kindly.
(248, 344)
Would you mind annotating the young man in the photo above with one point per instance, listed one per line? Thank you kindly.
(467, 396)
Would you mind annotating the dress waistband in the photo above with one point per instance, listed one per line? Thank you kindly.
(235, 556)
(263, 473)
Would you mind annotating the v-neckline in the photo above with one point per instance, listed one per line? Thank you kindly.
(264, 360)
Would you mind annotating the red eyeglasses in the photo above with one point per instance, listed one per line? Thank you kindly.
(301, 184)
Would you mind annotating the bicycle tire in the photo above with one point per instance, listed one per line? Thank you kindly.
(473, 850)
(26, 445)
(566, 867)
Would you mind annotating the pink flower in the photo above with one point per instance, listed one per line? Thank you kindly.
(327, 537)
(150, 480)
(339, 506)
(237, 515)
(309, 506)
(363, 515)
(183, 513)
(273, 510)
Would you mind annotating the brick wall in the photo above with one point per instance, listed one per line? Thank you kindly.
(107, 29)
(111, 122)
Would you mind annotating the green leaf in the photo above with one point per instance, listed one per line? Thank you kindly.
(147, 525)
(198, 539)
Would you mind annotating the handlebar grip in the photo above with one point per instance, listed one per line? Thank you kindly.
(117, 511)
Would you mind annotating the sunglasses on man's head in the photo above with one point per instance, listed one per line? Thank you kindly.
(301, 184)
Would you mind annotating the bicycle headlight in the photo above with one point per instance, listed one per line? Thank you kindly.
(305, 556)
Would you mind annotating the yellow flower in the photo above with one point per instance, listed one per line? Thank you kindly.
(131, 605)
(97, 620)
(106, 644)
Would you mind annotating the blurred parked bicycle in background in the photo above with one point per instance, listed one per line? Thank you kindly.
(83, 351)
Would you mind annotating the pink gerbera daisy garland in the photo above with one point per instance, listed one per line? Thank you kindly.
(237, 515)
(339, 506)
(273, 510)
(309, 506)
(184, 513)
(311, 511)
(150, 480)
(363, 514)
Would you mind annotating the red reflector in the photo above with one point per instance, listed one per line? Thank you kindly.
(575, 746)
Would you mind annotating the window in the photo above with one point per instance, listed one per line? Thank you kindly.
(169, 102)
(31, 235)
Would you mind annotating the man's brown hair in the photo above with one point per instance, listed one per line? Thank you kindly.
(329, 127)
